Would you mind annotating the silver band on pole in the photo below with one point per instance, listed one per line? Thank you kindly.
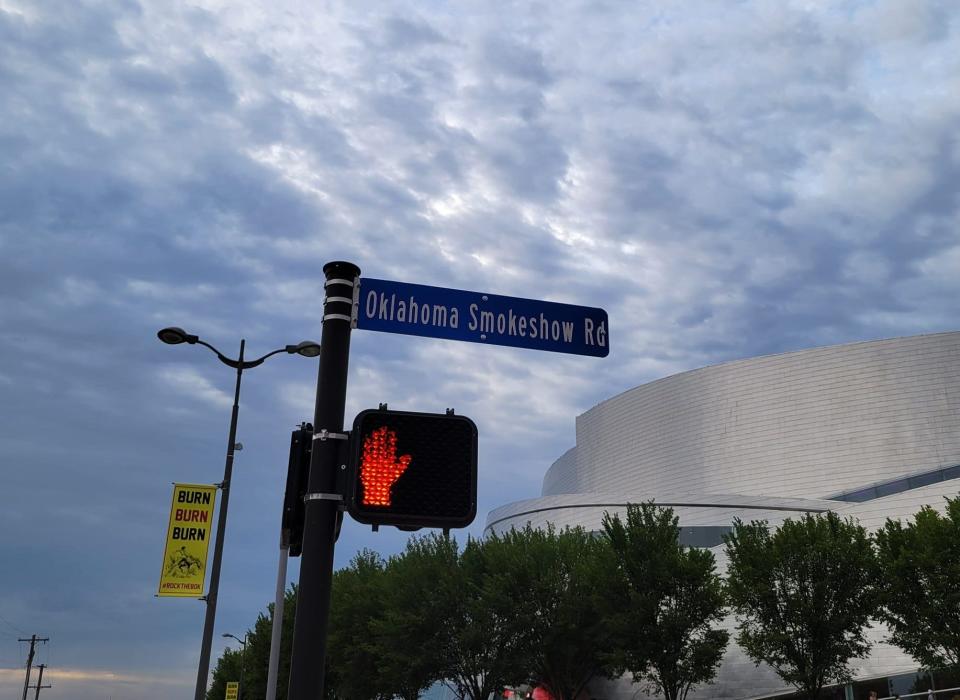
(322, 497)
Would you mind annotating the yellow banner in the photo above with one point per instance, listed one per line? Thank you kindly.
(188, 538)
(233, 689)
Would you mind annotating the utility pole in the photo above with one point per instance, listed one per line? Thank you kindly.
(33, 644)
(40, 684)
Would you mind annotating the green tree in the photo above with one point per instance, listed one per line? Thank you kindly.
(226, 670)
(803, 596)
(481, 651)
(550, 583)
(357, 602)
(418, 601)
(665, 603)
(920, 586)
(257, 655)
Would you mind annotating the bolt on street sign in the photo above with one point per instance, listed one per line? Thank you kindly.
(455, 314)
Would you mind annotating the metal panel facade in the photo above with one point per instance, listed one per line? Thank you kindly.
(768, 438)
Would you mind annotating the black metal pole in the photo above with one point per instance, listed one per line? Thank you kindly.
(204, 668)
(243, 668)
(307, 663)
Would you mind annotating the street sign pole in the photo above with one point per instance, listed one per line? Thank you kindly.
(307, 662)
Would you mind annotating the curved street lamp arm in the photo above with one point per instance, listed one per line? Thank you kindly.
(242, 641)
(220, 356)
(259, 361)
(236, 364)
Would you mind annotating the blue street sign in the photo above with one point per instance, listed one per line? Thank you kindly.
(454, 314)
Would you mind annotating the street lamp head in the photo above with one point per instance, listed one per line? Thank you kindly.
(233, 636)
(307, 348)
(175, 336)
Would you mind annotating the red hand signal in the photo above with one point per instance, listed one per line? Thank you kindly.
(380, 467)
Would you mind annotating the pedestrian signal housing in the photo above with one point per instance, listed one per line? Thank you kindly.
(413, 470)
(298, 471)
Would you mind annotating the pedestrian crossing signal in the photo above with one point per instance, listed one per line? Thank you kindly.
(413, 470)
(298, 472)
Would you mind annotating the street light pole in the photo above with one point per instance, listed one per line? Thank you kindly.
(243, 661)
(243, 668)
(204, 667)
(175, 336)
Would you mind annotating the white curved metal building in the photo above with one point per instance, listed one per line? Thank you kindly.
(869, 430)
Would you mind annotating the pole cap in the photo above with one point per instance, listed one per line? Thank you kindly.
(341, 268)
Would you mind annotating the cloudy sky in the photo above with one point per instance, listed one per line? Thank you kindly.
(727, 179)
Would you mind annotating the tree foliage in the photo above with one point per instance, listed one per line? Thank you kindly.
(419, 601)
(665, 601)
(481, 650)
(803, 595)
(228, 669)
(920, 587)
(258, 656)
(357, 601)
(550, 583)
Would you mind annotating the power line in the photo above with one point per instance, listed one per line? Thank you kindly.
(11, 625)
(7, 653)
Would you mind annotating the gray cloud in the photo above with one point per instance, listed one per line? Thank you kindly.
(727, 179)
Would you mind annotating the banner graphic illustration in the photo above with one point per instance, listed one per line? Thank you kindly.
(188, 539)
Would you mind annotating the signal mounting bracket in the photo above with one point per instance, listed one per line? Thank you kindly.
(322, 497)
(324, 434)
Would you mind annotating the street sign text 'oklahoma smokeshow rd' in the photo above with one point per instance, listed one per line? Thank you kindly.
(454, 314)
